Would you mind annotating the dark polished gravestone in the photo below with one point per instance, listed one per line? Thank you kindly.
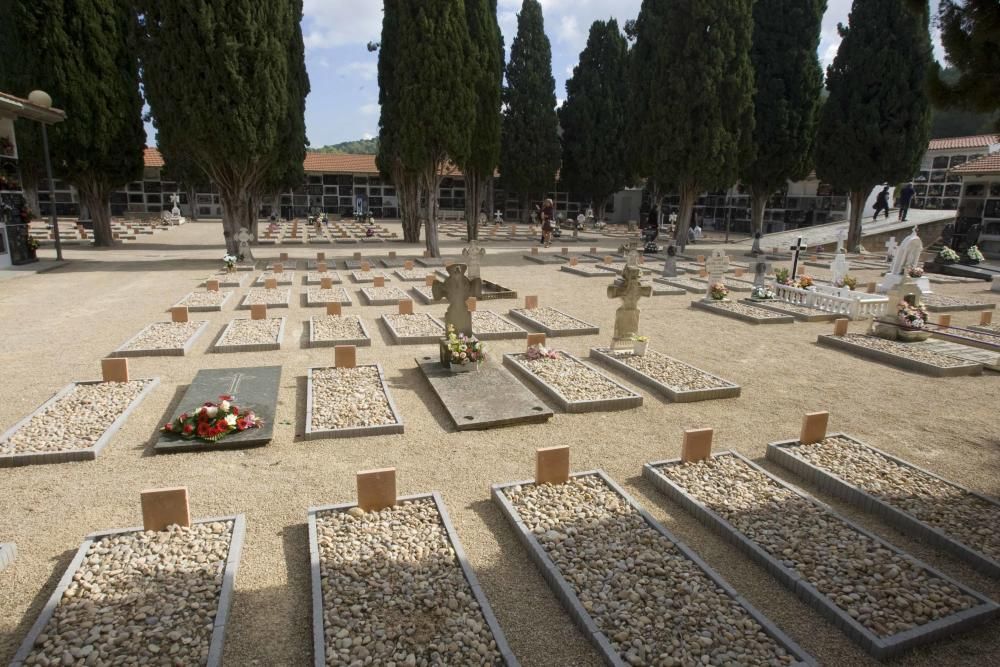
(252, 388)
(488, 398)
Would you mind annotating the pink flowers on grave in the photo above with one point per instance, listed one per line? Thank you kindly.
(536, 352)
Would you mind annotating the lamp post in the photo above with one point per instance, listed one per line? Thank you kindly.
(42, 99)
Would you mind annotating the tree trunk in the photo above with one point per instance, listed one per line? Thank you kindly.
(490, 203)
(431, 182)
(408, 197)
(858, 199)
(600, 208)
(192, 198)
(688, 195)
(96, 198)
(234, 205)
(758, 203)
(475, 190)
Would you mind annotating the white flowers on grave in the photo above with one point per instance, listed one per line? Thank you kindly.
(210, 411)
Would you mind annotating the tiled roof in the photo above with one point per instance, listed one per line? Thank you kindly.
(987, 164)
(152, 157)
(977, 141)
(339, 163)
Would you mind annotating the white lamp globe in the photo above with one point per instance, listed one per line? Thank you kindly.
(40, 99)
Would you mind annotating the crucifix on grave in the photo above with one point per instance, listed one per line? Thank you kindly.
(629, 289)
(244, 237)
(716, 265)
(796, 249)
(890, 249)
(456, 289)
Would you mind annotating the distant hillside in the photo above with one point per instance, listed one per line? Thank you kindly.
(359, 147)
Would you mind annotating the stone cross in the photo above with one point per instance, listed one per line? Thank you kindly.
(890, 249)
(244, 238)
(755, 248)
(457, 289)
(629, 289)
(631, 252)
(797, 248)
(760, 271)
(473, 254)
(841, 237)
(839, 269)
(717, 265)
(175, 200)
(670, 264)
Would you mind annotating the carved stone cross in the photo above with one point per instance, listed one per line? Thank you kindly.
(629, 289)
(457, 289)
(244, 237)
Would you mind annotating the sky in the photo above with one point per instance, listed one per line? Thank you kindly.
(343, 105)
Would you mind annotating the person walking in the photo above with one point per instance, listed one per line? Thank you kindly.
(882, 203)
(548, 215)
(905, 197)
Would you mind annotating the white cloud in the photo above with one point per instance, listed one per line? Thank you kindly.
(330, 23)
(370, 109)
(367, 135)
(367, 71)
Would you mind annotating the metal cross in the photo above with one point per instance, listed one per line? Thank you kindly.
(797, 248)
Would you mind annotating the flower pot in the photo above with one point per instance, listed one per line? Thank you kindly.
(912, 335)
(639, 349)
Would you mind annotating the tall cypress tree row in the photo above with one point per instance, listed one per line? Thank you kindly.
(593, 118)
(486, 76)
(529, 151)
(692, 84)
(85, 51)
(789, 80)
(247, 131)
(875, 125)
(970, 33)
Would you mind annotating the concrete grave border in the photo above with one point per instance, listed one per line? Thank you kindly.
(564, 403)
(8, 554)
(249, 347)
(286, 279)
(227, 280)
(286, 304)
(878, 647)
(776, 306)
(205, 309)
(497, 291)
(159, 352)
(222, 608)
(346, 301)
(359, 276)
(578, 271)
(369, 301)
(709, 307)
(969, 342)
(546, 259)
(366, 341)
(423, 298)
(563, 591)
(687, 287)
(500, 335)
(587, 330)
(399, 339)
(351, 431)
(333, 275)
(316, 579)
(88, 454)
(906, 364)
(960, 307)
(675, 395)
(781, 452)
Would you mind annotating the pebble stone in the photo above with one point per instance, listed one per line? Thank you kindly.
(141, 598)
(316, 277)
(995, 328)
(944, 300)
(743, 309)
(903, 350)
(886, 592)
(349, 398)
(252, 332)
(332, 327)
(414, 274)
(394, 592)
(203, 299)
(269, 297)
(552, 318)
(687, 283)
(486, 321)
(164, 336)
(75, 421)
(793, 307)
(963, 516)
(573, 379)
(654, 605)
(418, 324)
(670, 372)
(589, 269)
(332, 295)
(384, 293)
(286, 276)
(982, 336)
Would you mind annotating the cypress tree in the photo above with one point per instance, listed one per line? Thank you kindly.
(970, 33)
(875, 124)
(530, 150)
(486, 77)
(789, 80)
(593, 118)
(85, 52)
(692, 83)
(241, 122)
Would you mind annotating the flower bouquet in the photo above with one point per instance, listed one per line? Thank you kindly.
(947, 255)
(230, 262)
(781, 276)
(213, 421)
(974, 255)
(915, 271)
(718, 291)
(536, 352)
(762, 293)
(463, 352)
(804, 282)
(912, 318)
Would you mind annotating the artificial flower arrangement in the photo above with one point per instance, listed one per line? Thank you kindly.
(463, 349)
(910, 316)
(230, 261)
(804, 282)
(850, 282)
(946, 254)
(536, 352)
(974, 255)
(762, 292)
(639, 339)
(213, 421)
(781, 276)
(718, 291)
(915, 271)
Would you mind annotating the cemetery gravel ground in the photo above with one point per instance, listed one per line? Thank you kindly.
(56, 327)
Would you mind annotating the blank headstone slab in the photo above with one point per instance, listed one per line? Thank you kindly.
(326, 283)
(531, 302)
(470, 304)
(366, 266)
(430, 279)
(593, 250)
(700, 259)
(408, 265)
(392, 254)
(703, 273)
(258, 311)
(871, 288)
(320, 256)
(284, 256)
(406, 306)
(565, 251)
(944, 320)
(271, 283)
(985, 318)
(814, 427)
(534, 251)
(345, 356)
(572, 261)
(840, 326)
(179, 314)
(536, 339)
(333, 309)
(697, 445)
(279, 268)
(377, 489)
(212, 285)
(114, 370)
(802, 270)
(379, 281)
(608, 259)
(357, 255)
(321, 266)
(165, 507)
(738, 272)
(552, 465)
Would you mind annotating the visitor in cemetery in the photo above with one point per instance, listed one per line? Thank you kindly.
(905, 197)
(548, 215)
(882, 203)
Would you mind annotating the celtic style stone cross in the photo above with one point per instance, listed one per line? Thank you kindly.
(629, 289)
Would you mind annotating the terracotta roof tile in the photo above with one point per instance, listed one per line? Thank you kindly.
(952, 143)
(987, 164)
(152, 157)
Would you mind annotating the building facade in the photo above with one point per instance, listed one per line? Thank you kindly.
(938, 184)
(979, 205)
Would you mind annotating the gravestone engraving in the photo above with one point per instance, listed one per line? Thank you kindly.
(629, 289)
(716, 265)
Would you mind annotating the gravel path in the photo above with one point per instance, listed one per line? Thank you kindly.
(949, 508)
(202, 299)
(331, 327)
(348, 398)
(574, 379)
(75, 421)
(752, 311)
(332, 295)
(670, 372)
(269, 297)
(655, 606)
(487, 321)
(552, 318)
(394, 592)
(904, 350)
(882, 590)
(140, 598)
(252, 332)
(418, 324)
(164, 336)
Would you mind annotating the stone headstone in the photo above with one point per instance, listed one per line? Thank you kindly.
(473, 254)
(179, 314)
(456, 289)
(165, 507)
(552, 465)
(114, 370)
(629, 289)
(760, 271)
(840, 326)
(670, 264)
(530, 302)
(243, 238)
(906, 257)
(716, 265)
(321, 257)
(258, 311)
(814, 427)
(839, 269)
(176, 210)
(408, 265)
(841, 237)
(890, 249)
(697, 445)
(405, 307)
(345, 356)
(326, 283)
(334, 309)
(271, 283)
(378, 281)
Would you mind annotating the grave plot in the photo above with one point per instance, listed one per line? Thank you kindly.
(416, 329)
(202, 302)
(136, 597)
(659, 289)
(391, 262)
(76, 424)
(973, 336)
(368, 276)
(488, 325)
(316, 277)
(582, 259)
(619, 267)
(430, 261)
(990, 359)
(543, 258)
(553, 322)
(638, 593)
(251, 335)
(679, 382)
(573, 385)
(744, 312)
(491, 290)
(885, 600)
(939, 303)
(272, 298)
(988, 329)
(283, 278)
(414, 275)
(227, 279)
(734, 284)
(430, 608)
(901, 355)
(425, 294)
(162, 339)
(349, 402)
(918, 503)
(799, 312)
(333, 330)
(940, 278)
(383, 296)
(317, 296)
(585, 270)
(682, 282)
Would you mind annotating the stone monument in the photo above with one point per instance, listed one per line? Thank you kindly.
(176, 210)
(905, 291)
(716, 265)
(457, 289)
(760, 270)
(670, 264)
(905, 258)
(841, 237)
(629, 289)
(890, 249)
(473, 254)
(839, 269)
(244, 237)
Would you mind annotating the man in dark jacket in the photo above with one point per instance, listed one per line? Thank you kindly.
(905, 197)
(882, 203)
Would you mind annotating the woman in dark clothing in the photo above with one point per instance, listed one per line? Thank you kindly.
(548, 215)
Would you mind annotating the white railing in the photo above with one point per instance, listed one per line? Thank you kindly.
(854, 305)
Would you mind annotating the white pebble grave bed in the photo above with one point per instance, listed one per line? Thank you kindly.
(678, 381)
(243, 335)
(206, 301)
(383, 296)
(573, 385)
(283, 278)
(553, 322)
(315, 277)
(162, 339)
(903, 355)
(419, 328)
(272, 298)
(317, 296)
(348, 402)
(488, 325)
(332, 330)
